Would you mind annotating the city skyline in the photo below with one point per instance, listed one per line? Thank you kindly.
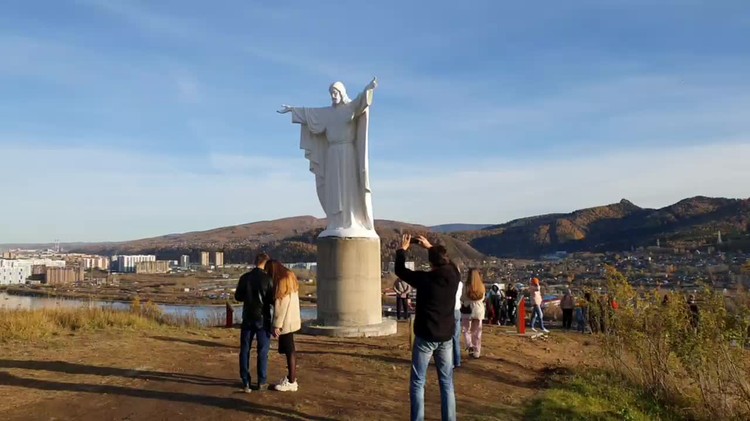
(124, 120)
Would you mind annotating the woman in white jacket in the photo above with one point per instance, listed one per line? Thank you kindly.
(286, 319)
(472, 307)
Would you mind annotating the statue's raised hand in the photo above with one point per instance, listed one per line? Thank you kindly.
(373, 84)
(284, 109)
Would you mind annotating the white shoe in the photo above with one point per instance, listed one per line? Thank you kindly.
(533, 329)
(545, 330)
(286, 386)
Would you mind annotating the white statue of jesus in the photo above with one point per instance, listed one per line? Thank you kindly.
(335, 142)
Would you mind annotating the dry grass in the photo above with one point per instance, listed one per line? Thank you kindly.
(34, 324)
(42, 323)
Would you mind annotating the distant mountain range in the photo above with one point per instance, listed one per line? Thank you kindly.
(287, 239)
(692, 222)
(620, 226)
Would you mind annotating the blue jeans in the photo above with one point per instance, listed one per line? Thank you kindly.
(579, 320)
(583, 322)
(420, 359)
(263, 338)
(537, 315)
(457, 340)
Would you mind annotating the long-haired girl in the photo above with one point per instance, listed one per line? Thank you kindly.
(472, 300)
(286, 319)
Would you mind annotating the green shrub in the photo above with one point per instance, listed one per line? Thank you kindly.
(596, 395)
(655, 343)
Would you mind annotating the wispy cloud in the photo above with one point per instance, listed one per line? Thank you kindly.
(146, 20)
(509, 109)
(187, 87)
(83, 194)
(498, 190)
(115, 194)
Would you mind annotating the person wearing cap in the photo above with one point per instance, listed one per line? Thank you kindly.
(536, 300)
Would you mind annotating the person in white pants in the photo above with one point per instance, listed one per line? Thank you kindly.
(472, 301)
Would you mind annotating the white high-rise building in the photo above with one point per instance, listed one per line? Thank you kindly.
(126, 264)
(16, 271)
(13, 273)
(184, 261)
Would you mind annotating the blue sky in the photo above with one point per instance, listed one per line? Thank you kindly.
(128, 119)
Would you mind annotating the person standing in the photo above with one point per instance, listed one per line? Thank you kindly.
(511, 296)
(567, 304)
(434, 324)
(592, 309)
(287, 319)
(402, 290)
(495, 304)
(457, 330)
(473, 298)
(536, 300)
(255, 291)
(583, 314)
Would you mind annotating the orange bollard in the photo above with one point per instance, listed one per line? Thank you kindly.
(521, 318)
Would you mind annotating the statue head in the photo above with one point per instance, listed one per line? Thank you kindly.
(338, 94)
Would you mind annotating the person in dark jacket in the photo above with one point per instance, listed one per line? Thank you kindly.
(511, 296)
(402, 290)
(255, 291)
(434, 324)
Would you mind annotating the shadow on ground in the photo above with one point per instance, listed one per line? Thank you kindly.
(199, 342)
(72, 368)
(213, 401)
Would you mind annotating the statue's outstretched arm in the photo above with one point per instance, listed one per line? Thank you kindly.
(372, 85)
(285, 109)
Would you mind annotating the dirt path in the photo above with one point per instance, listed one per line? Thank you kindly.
(192, 375)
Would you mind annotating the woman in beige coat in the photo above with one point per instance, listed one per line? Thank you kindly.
(286, 319)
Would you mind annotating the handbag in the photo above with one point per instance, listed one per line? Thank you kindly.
(465, 309)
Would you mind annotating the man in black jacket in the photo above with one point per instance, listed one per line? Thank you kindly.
(434, 324)
(255, 291)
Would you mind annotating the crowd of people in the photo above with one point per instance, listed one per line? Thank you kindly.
(446, 309)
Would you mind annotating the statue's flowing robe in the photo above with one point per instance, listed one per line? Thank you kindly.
(335, 142)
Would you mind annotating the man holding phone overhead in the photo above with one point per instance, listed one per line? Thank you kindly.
(434, 323)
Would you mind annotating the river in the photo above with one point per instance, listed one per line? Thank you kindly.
(205, 313)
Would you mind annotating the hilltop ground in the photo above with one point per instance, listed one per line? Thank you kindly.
(192, 374)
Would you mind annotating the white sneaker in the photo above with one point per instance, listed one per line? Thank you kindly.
(533, 329)
(286, 386)
(545, 330)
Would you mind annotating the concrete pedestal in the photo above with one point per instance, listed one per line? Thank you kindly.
(349, 295)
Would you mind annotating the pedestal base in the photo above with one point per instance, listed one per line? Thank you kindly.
(349, 292)
(384, 328)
